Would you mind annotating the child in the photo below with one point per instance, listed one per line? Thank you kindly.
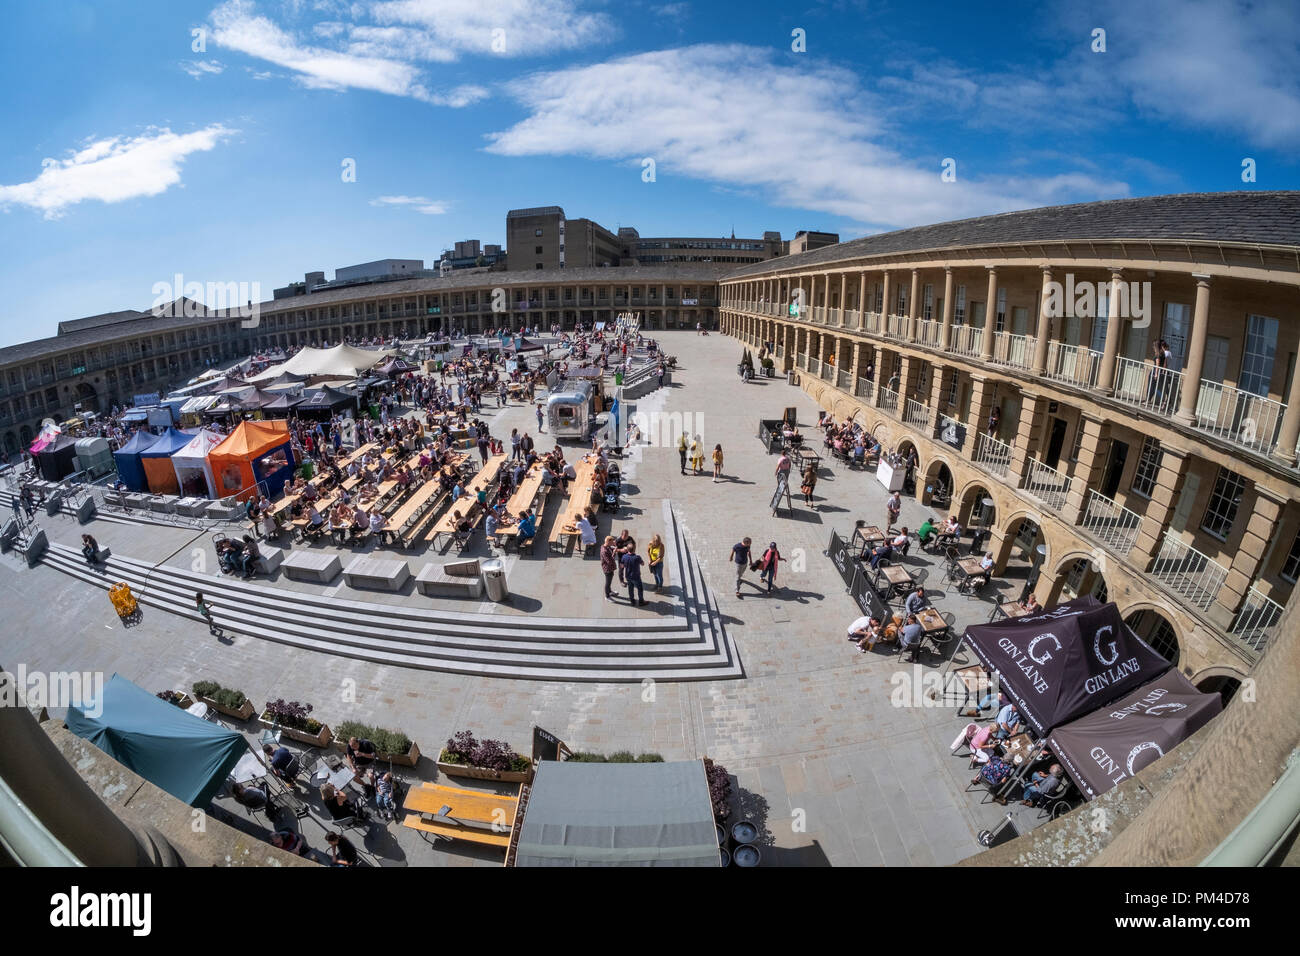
(384, 796)
(205, 609)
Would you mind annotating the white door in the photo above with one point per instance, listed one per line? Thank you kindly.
(1176, 326)
(1214, 370)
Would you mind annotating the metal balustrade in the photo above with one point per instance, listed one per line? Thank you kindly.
(844, 379)
(1010, 349)
(914, 413)
(946, 424)
(1228, 413)
(852, 319)
(814, 366)
(1046, 484)
(828, 371)
(993, 455)
(801, 360)
(966, 340)
(833, 316)
(1193, 576)
(1111, 523)
(1073, 364)
(1147, 387)
(887, 399)
(871, 322)
(1254, 624)
(895, 326)
(928, 331)
(865, 389)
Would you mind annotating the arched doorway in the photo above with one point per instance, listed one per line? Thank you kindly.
(1225, 685)
(1022, 553)
(87, 397)
(977, 508)
(1157, 630)
(938, 485)
(1077, 576)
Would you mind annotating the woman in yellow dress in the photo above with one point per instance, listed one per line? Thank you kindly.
(717, 463)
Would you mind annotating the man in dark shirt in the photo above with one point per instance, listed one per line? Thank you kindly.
(360, 754)
(283, 763)
(342, 852)
(631, 562)
(740, 555)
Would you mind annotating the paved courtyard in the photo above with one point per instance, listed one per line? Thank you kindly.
(835, 773)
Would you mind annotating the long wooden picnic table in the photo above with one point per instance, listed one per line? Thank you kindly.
(580, 492)
(480, 482)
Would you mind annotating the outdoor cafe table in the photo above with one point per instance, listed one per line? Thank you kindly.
(869, 534)
(970, 567)
(803, 457)
(1012, 609)
(249, 768)
(1016, 750)
(896, 576)
(933, 624)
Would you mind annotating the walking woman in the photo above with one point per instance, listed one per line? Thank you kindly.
(717, 463)
(655, 552)
(767, 566)
(697, 455)
(809, 484)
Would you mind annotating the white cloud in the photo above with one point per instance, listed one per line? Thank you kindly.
(201, 68)
(810, 138)
(113, 170)
(429, 207)
(372, 63)
(1212, 64)
(529, 27)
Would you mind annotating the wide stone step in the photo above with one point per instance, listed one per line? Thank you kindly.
(619, 667)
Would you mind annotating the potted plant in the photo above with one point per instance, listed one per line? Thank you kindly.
(769, 367)
(177, 697)
(294, 721)
(719, 789)
(224, 700)
(483, 760)
(392, 746)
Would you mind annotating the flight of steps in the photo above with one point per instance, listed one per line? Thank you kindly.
(691, 644)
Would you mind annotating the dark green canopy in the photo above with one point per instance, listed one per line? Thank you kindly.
(183, 754)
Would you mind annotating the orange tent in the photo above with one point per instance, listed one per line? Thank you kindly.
(255, 452)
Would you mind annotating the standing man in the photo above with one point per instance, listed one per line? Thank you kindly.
(741, 556)
(632, 562)
(540, 418)
(893, 507)
(681, 450)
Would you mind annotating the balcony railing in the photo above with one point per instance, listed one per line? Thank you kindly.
(1073, 364)
(814, 366)
(1046, 484)
(1111, 523)
(966, 340)
(1147, 387)
(895, 326)
(865, 389)
(852, 318)
(871, 322)
(834, 316)
(828, 371)
(887, 399)
(1256, 621)
(819, 314)
(993, 455)
(928, 331)
(916, 414)
(1011, 349)
(801, 360)
(844, 379)
(1241, 418)
(1193, 576)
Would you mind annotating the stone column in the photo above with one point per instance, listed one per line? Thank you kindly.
(1191, 393)
(884, 293)
(1248, 559)
(981, 400)
(862, 300)
(1114, 325)
(913, 298)
(1088, 469)
(1289, 433)
(1164, 499)
(1032, 409)
(945, 331)
(990, 318)
(1044, 331)
(844, 288)
(855, 368)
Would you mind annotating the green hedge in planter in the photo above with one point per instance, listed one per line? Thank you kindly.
(234, 699)
(385, 741)
(621, 756)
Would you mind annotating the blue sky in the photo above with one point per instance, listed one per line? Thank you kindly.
(129, 156)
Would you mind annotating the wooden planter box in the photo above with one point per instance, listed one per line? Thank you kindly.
(243, 713)
(482, 773)
(312, 740)
(186, 701)
(408, 759)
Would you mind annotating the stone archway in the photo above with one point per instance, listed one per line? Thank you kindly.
(1016, 547)
(1157, 627)
(971, 511)
(1075, 576)
(938, 488)
(1224, 681)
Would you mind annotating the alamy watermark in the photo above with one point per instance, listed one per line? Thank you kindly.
(83, 689)
(1123, 300)
(180, 299)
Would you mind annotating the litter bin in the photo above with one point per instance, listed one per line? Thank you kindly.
(494, 579)
(308, 468)
(789, 377)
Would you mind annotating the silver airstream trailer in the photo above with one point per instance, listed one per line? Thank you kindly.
(571, 412)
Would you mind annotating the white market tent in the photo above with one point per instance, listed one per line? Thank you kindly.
(341, 361)
(191, 461)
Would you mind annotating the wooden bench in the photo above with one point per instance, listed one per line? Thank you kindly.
(379, 573)
(476, 816)
(312, 566)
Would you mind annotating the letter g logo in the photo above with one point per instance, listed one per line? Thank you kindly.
(1047, 656)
